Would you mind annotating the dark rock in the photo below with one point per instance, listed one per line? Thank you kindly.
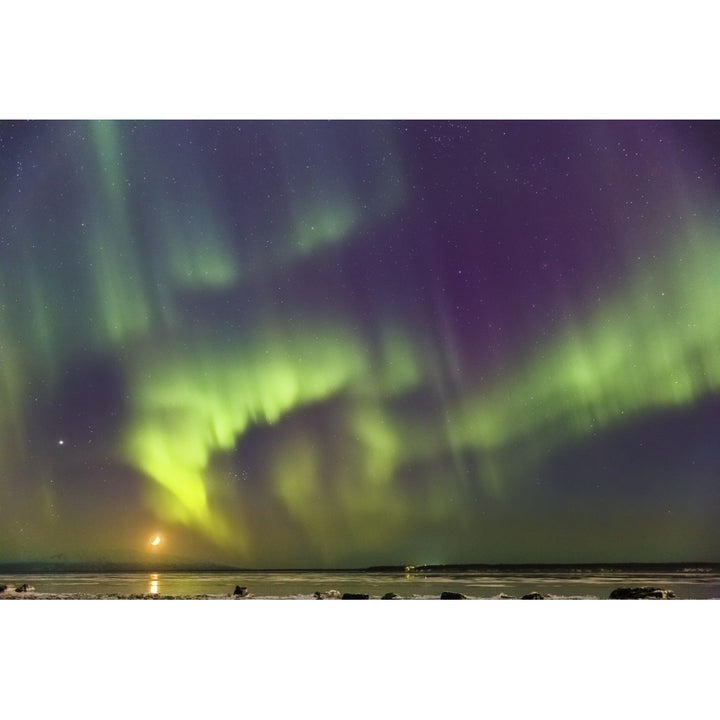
(23, 588)
(532, 596)
(452, 596)
(641, 593)
(355, 596)
(241, 591)
(3, 588)
(389, 596)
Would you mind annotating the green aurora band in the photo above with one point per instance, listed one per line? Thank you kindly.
(655, 345)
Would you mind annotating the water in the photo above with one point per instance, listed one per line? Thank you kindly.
(562, 582)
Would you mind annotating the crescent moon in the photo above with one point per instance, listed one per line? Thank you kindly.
(156, 541)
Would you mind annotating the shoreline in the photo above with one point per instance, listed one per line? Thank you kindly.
(647, 593)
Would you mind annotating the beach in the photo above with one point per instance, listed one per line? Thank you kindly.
(689, 581)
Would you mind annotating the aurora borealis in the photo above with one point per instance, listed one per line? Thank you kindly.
(326, 344)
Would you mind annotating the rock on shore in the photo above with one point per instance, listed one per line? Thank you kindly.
(641, 593)
(452, 596)
(327, 595)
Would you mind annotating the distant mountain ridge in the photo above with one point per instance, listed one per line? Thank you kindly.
(531, 568)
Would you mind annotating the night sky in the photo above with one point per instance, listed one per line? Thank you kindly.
(328, 344)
